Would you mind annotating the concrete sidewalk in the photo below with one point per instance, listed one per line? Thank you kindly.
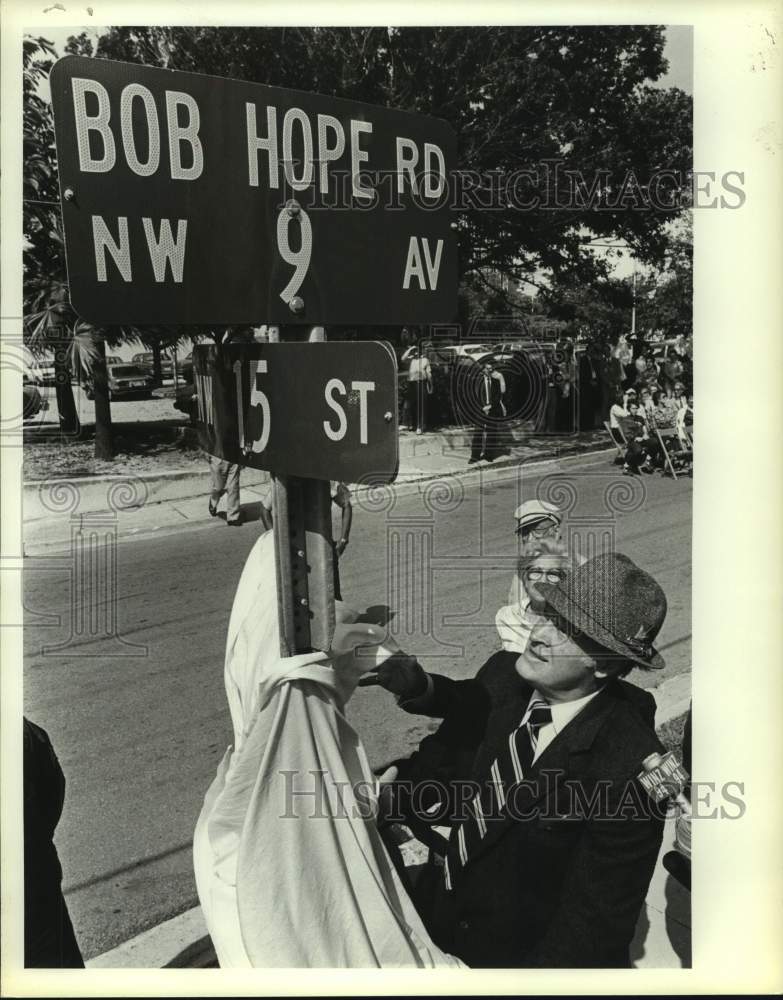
(663, 932)
(175, 500)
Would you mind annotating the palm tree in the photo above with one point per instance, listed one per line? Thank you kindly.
(51, 325)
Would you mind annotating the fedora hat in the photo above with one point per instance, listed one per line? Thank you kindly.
(615, 603)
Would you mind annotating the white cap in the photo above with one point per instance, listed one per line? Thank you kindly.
(533, 511)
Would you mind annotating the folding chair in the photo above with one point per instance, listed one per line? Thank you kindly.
(686, 444)
(620, 449)
(672, 460)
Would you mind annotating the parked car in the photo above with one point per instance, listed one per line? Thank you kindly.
(46, 367)
(32, 401)
(146, 362)
(472, 351)
(125, 380)
(39, 371)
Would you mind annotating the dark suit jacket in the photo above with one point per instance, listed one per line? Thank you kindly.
(495, 397)
(563, 886)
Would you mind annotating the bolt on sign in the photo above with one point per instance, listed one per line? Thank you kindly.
(195, 199)
(323, 411)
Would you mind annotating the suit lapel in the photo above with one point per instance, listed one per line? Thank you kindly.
(554, 762)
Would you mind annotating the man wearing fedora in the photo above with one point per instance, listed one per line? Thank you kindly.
(534, 767)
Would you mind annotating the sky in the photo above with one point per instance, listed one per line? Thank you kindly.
(679, 52)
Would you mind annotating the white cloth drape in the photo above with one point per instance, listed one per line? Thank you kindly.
(290, 868)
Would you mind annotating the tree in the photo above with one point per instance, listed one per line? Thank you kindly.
(662, 296)
(553, 111)
(49, 320)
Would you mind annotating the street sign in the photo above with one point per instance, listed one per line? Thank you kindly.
(319, 411)
(197, 199)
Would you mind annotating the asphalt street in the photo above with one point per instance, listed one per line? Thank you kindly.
(140, 721)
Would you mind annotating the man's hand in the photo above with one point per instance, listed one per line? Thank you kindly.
(386, 793)
(402, 675)
(341, 546)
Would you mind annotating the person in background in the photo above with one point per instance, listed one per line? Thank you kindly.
(678, 396)
(635, 431)
(639, 362)
(685, 422)
(617, 412)
(225, 479)
(552, 392)
(419, 386)
(622, 354)
(615, 376)
(651, 376)
(604, 391)
(224, 475)
(566, 416)
(405, 342)
(646, 402)
(664, 411)
(547, 563)
(652, 446)
(589, 389)
(49, 939)
(538, 522)
(489, 387)
(671, 371)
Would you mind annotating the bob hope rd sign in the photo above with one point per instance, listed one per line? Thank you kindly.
(190, 199)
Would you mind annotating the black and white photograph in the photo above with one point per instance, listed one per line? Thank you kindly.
(421, 312)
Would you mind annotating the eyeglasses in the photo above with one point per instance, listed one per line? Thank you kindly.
(541, 531)
(549, 575)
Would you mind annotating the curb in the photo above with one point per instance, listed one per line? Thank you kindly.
(175, 943)
(146, 489)
(183, 941)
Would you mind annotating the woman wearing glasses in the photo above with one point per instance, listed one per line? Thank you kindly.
(547, 564)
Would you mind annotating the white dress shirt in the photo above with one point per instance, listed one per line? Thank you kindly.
(562, 713)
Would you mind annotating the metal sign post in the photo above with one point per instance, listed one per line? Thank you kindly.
(303, 558)
(304, 555)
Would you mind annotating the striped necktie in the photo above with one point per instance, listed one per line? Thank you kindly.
(509, 768)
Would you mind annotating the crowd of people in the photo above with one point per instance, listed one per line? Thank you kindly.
(641, 391)
(583, 382)
(652, 428)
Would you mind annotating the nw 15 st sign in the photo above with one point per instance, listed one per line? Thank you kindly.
(323, 411)
(196, 199)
